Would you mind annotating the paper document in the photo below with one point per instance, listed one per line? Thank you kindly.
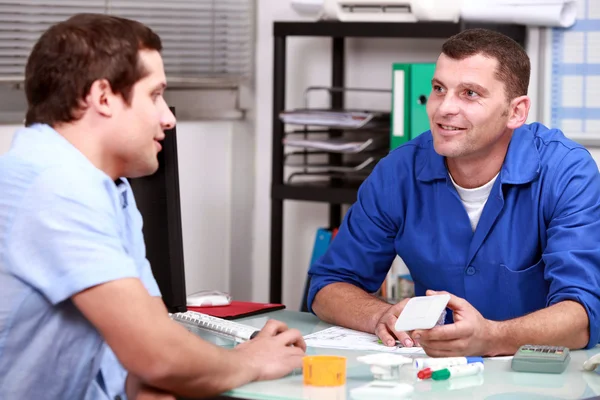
(347, 339)
(369, 162)
(559, 13)
(333, 145)
(334, 119)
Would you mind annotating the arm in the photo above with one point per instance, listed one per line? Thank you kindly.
(362, 310)
(359, 257)
(562, 324)
(166, 356)
(68, 240)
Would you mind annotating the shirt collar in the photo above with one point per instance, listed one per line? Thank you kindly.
(521, 164)
(46, 146)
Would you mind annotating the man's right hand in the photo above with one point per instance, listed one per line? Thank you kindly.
(275, 351)
(385, 328)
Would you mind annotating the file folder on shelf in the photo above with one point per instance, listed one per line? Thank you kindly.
(335, 145)
(347, 167)
(411, 86)
(347, 119)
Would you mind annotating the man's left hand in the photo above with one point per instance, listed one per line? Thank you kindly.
(469, 335)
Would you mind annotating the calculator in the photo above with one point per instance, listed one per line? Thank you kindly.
(541, 358)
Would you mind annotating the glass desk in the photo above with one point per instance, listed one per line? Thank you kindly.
(498, 382)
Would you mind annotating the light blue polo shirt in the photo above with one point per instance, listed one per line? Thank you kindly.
(65, 226)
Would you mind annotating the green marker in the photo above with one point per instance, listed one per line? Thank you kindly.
(397, 342)
(457, 370)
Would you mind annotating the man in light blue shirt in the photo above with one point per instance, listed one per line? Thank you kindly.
(78, 299)
(66, 226)
(502, 215)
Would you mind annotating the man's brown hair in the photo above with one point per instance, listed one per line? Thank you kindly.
(72, 54)
(513, 68)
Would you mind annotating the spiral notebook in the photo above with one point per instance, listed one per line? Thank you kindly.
(229, 329)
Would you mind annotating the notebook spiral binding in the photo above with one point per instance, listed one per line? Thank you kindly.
(219, 326)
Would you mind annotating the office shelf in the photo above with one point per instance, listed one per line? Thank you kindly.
(318, 191)
(424, 30)
(337, 192)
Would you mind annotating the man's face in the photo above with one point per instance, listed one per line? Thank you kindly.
(136, 145)
(468, 110)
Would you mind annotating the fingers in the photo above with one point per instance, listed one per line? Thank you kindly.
(448, 332)
(451, 348)
(386, 330)
(273, 328)
(455, 302)
(388, 335)
(292, 337)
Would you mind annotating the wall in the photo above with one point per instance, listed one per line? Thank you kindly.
(215, 166)
(308, 63)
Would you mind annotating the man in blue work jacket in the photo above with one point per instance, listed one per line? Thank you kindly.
(503, 216)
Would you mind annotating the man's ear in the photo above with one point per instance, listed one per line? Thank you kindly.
(101, 98)
(518, 111)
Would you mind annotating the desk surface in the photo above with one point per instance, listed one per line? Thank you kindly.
(498, 382)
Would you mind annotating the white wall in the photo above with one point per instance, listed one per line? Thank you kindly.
(215, 166)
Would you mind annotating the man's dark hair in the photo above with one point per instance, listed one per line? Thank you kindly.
(514, 67)
(72, 54)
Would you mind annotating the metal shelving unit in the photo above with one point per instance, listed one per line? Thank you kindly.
(335, 193)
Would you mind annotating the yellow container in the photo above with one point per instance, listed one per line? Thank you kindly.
(324, 370)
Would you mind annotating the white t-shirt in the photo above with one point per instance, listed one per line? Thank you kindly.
(474, 199)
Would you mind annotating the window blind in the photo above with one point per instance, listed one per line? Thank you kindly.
(205, 42)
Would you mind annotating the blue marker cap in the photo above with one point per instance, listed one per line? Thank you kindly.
(471, 360)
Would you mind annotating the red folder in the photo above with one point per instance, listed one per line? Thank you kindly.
(237, 309)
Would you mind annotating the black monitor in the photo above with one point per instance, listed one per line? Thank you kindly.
(157, 198)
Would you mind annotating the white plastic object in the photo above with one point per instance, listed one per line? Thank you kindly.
(208, 298)
(422, 312)
(436, 10)
(368, 10)
(385, 366)
(308, 8)
(592, 363)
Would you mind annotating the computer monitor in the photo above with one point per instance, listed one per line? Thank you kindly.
(157, 198)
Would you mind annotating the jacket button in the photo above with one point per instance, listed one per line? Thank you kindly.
(470, 270)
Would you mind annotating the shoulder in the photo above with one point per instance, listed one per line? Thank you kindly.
(409, 157)
(60, 188)
(554, 147)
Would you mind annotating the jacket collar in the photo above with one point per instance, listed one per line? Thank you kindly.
(521, 164)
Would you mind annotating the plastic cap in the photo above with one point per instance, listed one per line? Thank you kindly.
(424, 373)
(441, 374)
(471, 360)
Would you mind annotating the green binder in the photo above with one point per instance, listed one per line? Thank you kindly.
(411, 86)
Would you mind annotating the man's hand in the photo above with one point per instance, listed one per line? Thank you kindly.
(386, 330)
(275, 351)
(467, 336)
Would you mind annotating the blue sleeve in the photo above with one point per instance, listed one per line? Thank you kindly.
(66, 237)
(572, 253)
(363, 249)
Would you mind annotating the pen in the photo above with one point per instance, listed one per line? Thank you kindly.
(398, 343)
(457, 370)
(421, 363)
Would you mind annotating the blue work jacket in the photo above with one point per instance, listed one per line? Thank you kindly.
(537, 242)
